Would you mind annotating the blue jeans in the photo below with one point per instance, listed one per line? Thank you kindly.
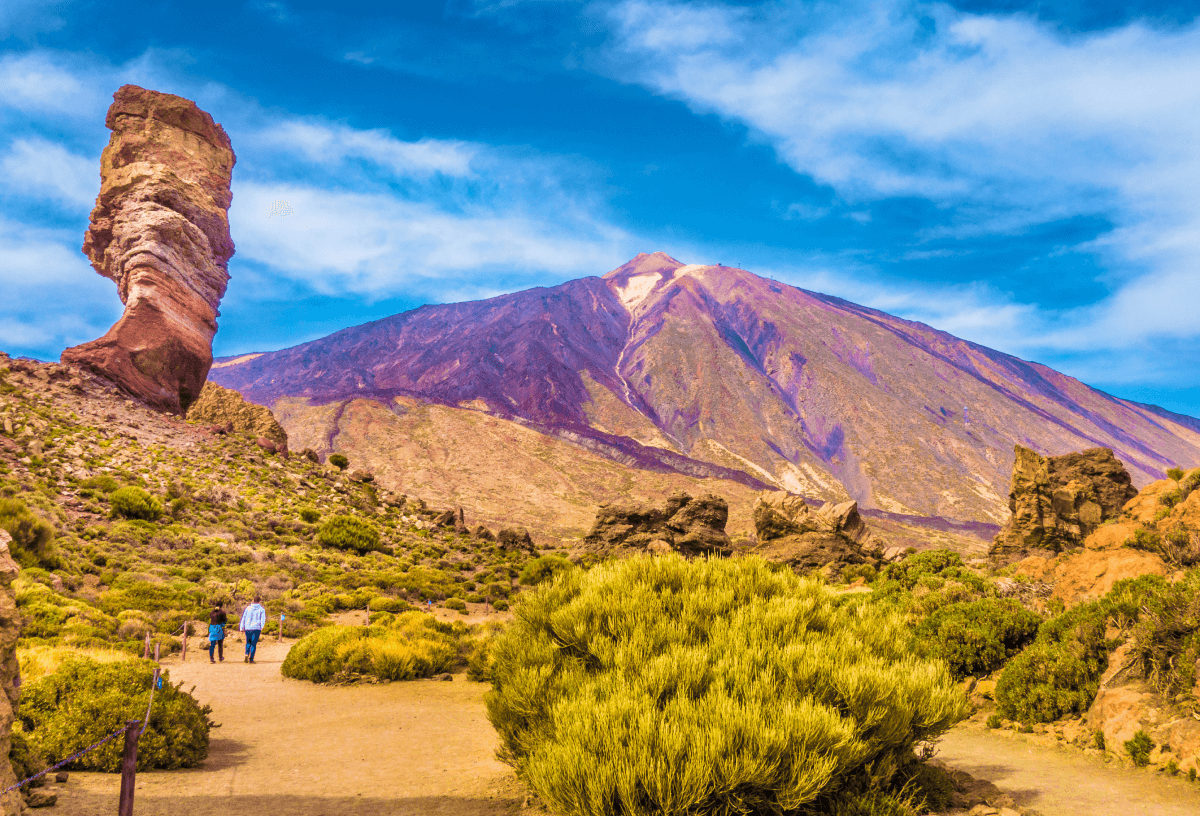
(252, 636)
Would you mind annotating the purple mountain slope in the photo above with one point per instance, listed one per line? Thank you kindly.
(714, 371)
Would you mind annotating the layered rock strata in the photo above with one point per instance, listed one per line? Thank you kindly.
(225, 408)
(791, 532)
(1057, 501)
(686, 525)
(160, 230)
(10, 674)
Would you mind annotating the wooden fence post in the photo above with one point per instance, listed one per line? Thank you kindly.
(183, 655)
(156, 645)
(146, 653)
(280, 638)
(129, 767)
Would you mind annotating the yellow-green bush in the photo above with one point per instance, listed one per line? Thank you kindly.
(349, 533)
(32, 536)
(84, 700)
(1059, 673)
(411, 645)
(1167, 638)
(135, 503)
(976, 637)
(668, 687)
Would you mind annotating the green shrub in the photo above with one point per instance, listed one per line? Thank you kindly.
(993, 721)
(25, 760)
(412, 645)
(456, 604)
(1060, 673)
(310, 515)
(1166, 641)
(712, 687)
(84, 700)
(339, 461)
(102, 483)
(909, 571)
(500, 605)
(135, 503)
(32, 536)
(543, 568)
(976, 637)
(1139, 748)
(1098, 739)
(1175, 474)
(349, 533)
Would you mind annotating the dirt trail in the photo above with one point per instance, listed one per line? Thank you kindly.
(292, 748)
(1063, 781)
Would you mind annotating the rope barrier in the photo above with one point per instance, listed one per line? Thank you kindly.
(69, 759)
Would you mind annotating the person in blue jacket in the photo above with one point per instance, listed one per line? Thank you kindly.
(216, 632)
(252, 623)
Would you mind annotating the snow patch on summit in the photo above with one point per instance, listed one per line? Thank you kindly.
(637, 289)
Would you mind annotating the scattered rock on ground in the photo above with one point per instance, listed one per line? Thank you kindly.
(515, 538)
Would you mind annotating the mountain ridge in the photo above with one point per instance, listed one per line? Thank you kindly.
(724, 369)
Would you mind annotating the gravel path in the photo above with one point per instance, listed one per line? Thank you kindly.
(1064, 781)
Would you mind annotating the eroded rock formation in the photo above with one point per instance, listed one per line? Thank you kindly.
(160, 230)
(1057, 501)
(10, 673)
(224, 407)
(686, 525)
(792, 533)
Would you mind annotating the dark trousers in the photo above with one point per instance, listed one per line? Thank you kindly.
(219, 646)
(252, 636)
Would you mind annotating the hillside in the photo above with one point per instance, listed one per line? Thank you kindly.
(703, 371)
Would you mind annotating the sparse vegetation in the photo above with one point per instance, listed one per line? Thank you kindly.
(1139, 748)
(339, 461)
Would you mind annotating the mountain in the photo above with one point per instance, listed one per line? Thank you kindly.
(707, 372)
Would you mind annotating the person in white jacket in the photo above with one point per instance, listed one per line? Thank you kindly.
(254, 618)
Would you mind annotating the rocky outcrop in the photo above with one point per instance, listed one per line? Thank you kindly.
(452, 520)
(225, 408)
(10, 673)
(160, 230)
(515, 538)
(1057, 501)
(686, 525)
(792, 533)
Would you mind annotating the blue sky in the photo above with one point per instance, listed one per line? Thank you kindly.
(1024, 175)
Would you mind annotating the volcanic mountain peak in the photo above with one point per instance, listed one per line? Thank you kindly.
(715, 371)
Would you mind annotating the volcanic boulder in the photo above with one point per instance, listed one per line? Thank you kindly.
(452, 520)
(689, 526)
(225, 407)
(10, 673)
(160, 230)
(792, 533)
(1057, 501)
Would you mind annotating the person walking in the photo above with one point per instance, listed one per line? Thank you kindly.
(216, 632)
(252, 623)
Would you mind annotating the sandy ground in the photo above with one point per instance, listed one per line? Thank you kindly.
(1064, 781)
(292, 748)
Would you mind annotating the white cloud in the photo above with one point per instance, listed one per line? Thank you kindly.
(1004, 120)
(53, 298)
(377, 245)
(43, 169)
